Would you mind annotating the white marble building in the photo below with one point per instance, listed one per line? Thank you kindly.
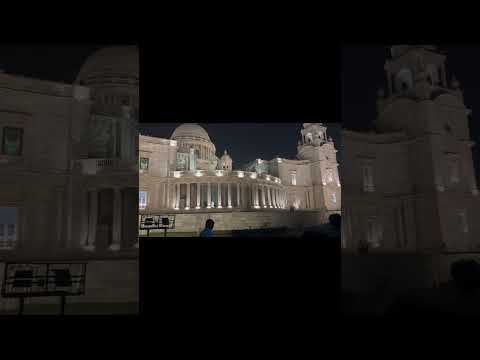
(183, 174)
(68, 162)
(409, 183)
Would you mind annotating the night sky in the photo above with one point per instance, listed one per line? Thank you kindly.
(279, 82)
(246, 142)
(46, 61)
(362, 74)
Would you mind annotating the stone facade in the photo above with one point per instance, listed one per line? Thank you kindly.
(183, 175)
(68, 162)
(409, 183)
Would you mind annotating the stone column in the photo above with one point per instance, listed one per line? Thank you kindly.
(269, 197)
(60, 213)
(275, 200)
(187, 205)
(198, 195)
(209, 196)
(256, 196)
(168, 196)
(219, 195)
(262, 188)
(164, 195)
(238, 195)
(161, 203)
(92, 222)
(177, 201)
(229, 195)
(444, 78)
(252, 193)
(117, 220)
(389, 81)
(84, 219)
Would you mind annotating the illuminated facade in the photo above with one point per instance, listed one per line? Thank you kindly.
(428, 199)
(69, 171)
(184, 174)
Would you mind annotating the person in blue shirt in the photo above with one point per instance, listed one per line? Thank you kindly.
(208, 231)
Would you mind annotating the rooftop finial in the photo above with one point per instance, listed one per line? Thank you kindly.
(455, 83)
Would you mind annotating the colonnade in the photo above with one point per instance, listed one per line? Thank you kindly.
(90, 217)
(219, 195)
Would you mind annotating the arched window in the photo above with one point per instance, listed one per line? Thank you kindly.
(329, 176)
(404, 80)
(374, 232)
(293, 175)
(368, 185)
(8, 227)
(142, 200)
(454, 170)
(462, 215)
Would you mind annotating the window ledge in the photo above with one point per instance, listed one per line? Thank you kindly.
(6, 159)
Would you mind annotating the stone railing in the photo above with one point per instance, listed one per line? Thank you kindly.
(219, 173)
(95, 166)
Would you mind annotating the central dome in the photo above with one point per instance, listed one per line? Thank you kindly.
(190, 130)
(111, 62)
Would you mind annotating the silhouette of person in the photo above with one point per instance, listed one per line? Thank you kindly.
(208, 231)
(332, 230)
(335, 221)
(466, 275)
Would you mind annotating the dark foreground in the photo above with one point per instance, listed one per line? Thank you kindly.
(79, 309)
(446, 300)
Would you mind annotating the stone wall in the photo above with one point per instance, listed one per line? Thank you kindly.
(107, 281)
(241, 220)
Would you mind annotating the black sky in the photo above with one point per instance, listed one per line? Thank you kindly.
(47, 61)
(267, 88)
(362, 74)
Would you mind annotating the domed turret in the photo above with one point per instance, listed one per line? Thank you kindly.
(193, 136)
(190, 130)
(111, 64)
(225, 162)
(112, 74)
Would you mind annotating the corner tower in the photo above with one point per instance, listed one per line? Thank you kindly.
(319, 149)
(420, 103)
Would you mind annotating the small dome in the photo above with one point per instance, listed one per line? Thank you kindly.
(455, 83)
(399, 50)
(190, 130)
(111, 62)
(225, 155)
